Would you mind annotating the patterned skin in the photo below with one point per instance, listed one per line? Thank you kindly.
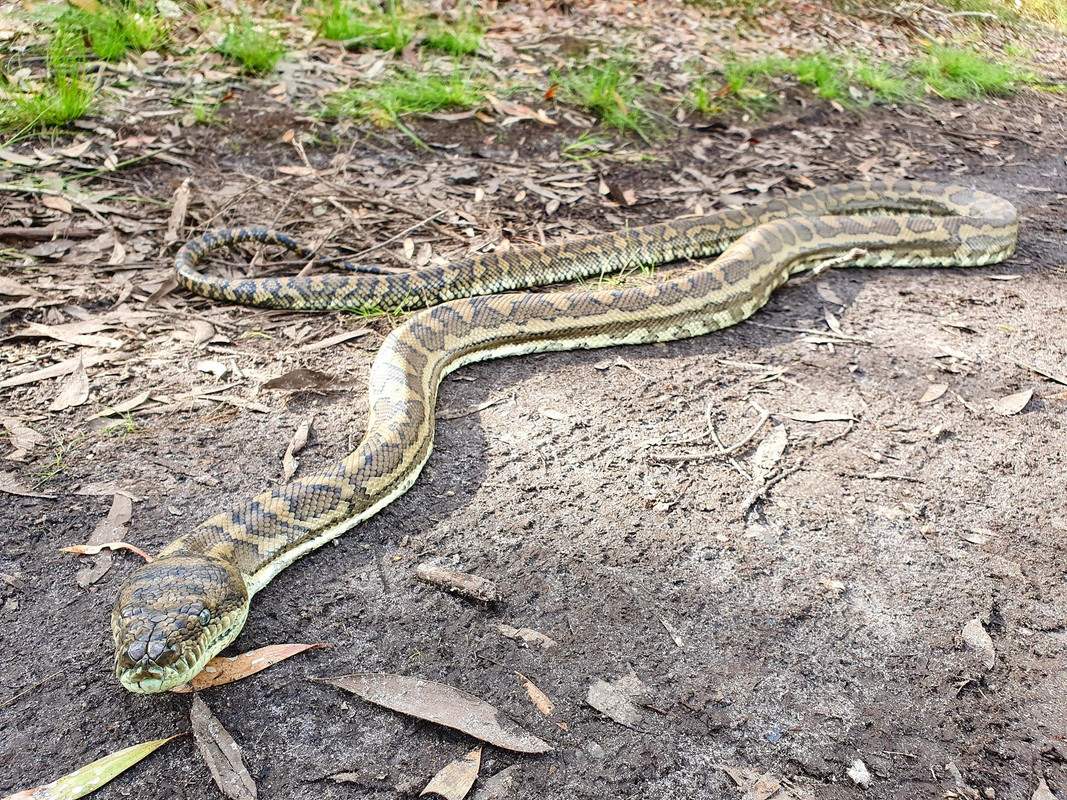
(175, 613)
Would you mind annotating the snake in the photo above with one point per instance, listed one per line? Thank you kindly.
(177, 611)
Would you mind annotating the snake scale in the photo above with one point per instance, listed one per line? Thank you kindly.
(176, 612)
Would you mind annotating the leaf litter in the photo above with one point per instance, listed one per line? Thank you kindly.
(455, 779)
(221, 753)
(441, 704)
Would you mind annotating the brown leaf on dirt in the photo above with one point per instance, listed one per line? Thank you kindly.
(178, 211)
(456, 778)
(12, 288)
(92, 776)
(123, 407)
(441, 704)
(22, 438)
(221, 753)
(109, 530)
(296, 444)
(537, 697)
(527, 636)
(57, 203)
(1013, 403)
(77, 333)
(820, 416)
(62, 368)
(472, 586)
(300, 379)
(763, 786)
(614, 700)
(498, 786)
(222, 670)
(74, 390)
(10, 484)
(94, 549)
(330, 341)
(933, 391)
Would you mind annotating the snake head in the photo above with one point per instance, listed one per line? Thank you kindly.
(172, 617)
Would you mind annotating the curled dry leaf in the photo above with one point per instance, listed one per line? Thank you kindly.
(456, 779)
(123, 407)
(463, 583)
(221, 753)
(92, 776)
(178, 211)
(537, 697)
(22, 438)
(296, 444)
(527, 635)
(1013, 403)
(94, 549)
(933, 391)
(74, 391)
(222, 670)
(62, 368)
(109, 530)
(443, 705)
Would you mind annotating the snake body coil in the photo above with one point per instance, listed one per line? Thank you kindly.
(178, 611)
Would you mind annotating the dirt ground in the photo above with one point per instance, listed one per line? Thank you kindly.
(790, 633)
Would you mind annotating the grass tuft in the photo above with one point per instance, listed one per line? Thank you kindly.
(957, 74)
(114, 28)
(610, 90)
(405, 94)
(61, 97)
(251, 46)
(347, 22)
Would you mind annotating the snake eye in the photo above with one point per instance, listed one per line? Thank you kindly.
(204, 617)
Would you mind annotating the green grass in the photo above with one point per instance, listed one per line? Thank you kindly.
(951, 73)
(61, 97)
(957, 74)
(114, 28)
(610, 90)
(461, 38)
(354, 25)
(255, 49)
(407, 93)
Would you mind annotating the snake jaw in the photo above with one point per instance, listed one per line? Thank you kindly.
(167, 629)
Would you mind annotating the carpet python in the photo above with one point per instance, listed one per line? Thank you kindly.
(178, 611)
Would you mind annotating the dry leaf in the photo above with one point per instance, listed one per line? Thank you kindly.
(456, 779)
(330, 341)
(109, 530)
(94, 549)
(464, 583)
(443, 705)
(177, 211)
(296, 444)
(74, 391)
(57, 203)
(859, 774)
(123, 407)
(221, 753)
(212, 367)
(78, 333)
(62, 368)
(1013, 403)
(1042, 792)
(498, 786)
(222, 670)
(976, 637)
(537, 697)
(933, 391)
(527, 635)
(12, 288)
(828, 294)
(614, 701)
(820, 416)
(409, 247)
(299, 379)
(92, 776)
(22, 438)
(770, 452)
(10, 484)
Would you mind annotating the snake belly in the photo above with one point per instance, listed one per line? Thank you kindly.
(176, 612)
